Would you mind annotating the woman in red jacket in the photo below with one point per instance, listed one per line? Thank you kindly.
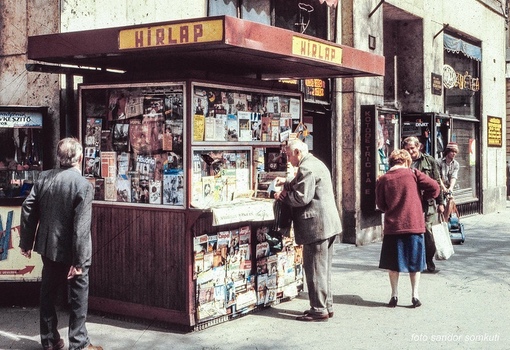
(398, 195)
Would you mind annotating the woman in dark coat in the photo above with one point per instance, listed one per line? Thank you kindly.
(398, 195)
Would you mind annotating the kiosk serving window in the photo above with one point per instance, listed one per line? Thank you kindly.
(134, 142)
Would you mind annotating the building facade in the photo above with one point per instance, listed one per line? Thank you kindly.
(444, 82)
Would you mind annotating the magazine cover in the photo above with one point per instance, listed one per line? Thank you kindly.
(93, 132)
(108, 164)
(198, 127)
(154, 124)
(99, 189)
(120, 138)
(210, 129)
(272, 265)
(245, 235)
(159, 164)
(135, 186)
(123, 163)
(261, 266)
(91, 162)
(167, 136)
(261, 289)
(262, 250)
(110, 189)
(173, 188)
(223, 244)
(245, 131)
(144, 189)
(139, 139)
(155, 192)
(106, 140)
(220, 131)
(232, 127)
(145, 165)
(123, 184)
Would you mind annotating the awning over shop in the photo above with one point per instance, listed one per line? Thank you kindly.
(456, 45)
(214, 44)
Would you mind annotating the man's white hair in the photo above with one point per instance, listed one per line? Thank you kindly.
(299, 145)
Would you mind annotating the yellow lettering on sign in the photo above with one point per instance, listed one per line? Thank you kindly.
(316, 50)
(172, 34)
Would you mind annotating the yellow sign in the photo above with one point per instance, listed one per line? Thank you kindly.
(316, 50)
(494, 132)
(171, 34)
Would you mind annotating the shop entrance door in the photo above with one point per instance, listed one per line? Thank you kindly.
(432, 129)
(319, 126)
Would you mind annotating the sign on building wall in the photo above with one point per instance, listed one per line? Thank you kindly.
(494, 131)
(437, 84)
(368, 161)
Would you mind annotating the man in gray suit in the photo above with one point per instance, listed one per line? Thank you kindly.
(316, 223)
(55, 222)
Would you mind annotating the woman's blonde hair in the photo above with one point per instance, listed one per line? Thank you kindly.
(400, 156)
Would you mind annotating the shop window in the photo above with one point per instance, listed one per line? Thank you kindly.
(303, 16)
(464, 134)
(21, 151)
(223, 7)
(461, 79)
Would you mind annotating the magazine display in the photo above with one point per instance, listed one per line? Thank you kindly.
(139, 140)
(230, 280)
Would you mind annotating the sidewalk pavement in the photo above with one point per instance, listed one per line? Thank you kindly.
(465, 306)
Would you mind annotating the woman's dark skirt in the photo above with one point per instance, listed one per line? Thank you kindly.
(403, 253)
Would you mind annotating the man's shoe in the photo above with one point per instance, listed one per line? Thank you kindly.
(59, 345)
(431, 267)
(431, 271)
(313, 318)
(330, 314)
(92, 347)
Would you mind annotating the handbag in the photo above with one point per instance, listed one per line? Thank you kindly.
(443, 243)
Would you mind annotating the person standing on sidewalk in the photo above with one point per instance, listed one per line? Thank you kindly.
(398, 196)
(449, 171)
(55, 222)
(316, 224)
(427, 164)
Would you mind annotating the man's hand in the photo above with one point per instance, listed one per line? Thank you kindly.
(280, 195)
(74, 271)
(440, 208)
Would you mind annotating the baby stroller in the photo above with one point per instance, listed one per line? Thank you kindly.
(454, 225)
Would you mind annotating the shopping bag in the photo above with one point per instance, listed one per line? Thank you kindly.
(441, 233)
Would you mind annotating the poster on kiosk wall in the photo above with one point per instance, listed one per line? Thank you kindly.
(14, 267)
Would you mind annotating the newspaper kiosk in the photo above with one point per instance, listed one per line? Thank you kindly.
(180, 143)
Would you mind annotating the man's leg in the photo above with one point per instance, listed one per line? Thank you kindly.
(315, 264)
(329, 301)
(79, 288)
(430, 245)
(53, 277)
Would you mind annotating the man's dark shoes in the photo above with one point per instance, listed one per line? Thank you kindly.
(431, 267)
(56, 346)
(393, 302)
(310, 317)
(330, 314)
(416, 302)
